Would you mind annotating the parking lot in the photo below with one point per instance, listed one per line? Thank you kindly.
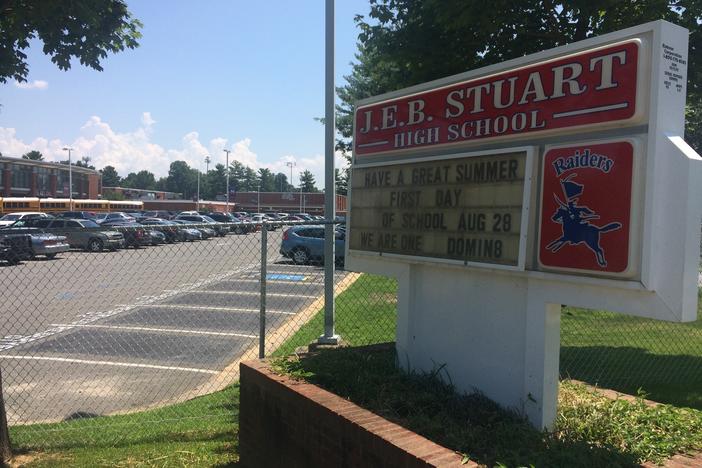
(102, 333)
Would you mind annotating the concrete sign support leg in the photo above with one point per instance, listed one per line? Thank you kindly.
(541, 358)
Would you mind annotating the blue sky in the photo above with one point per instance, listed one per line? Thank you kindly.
(238, 74)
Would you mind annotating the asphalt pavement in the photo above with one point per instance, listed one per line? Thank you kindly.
(95, 334)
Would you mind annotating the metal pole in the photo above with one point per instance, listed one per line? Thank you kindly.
(329, 336)
(227, 196)
(262, 315)
(198, 190)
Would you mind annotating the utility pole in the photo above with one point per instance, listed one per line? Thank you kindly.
(290, 164)
(227, 166)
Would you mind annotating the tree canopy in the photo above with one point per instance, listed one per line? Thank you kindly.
(86, 30)
(307, 182)
(110, 177)
(144, 180)
(406, 42)
(34, 155)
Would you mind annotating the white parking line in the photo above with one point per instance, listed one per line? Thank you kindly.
(166, 330)
(12, 341)
(257, 280)
(224, 309)
(109, 363)
(258, 293)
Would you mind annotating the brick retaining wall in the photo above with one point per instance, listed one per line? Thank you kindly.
(284, 422)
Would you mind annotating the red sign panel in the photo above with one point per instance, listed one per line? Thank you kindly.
(586, 207)
(593, 87)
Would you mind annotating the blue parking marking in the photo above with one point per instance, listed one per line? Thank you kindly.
(285, 277)
(68, 295)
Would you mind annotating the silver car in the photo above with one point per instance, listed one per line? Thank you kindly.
(43, 243)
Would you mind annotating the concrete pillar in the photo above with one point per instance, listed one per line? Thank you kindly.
(53, 182)
(7, 180)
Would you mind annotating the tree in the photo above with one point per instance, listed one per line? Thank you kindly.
(143, 180)
(267, 180)
(406, 42)
(110, 178)
(307, 182)
(251, 180)
(34, 155)
(341, 180)
(182, 178)
(86, 30)
(5, 447)
(281, 183)
(216, 182)
(84, 162)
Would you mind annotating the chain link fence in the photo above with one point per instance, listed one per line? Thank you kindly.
(128, 320)
(109, 329)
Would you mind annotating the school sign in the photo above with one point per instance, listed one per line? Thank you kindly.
(497, 195)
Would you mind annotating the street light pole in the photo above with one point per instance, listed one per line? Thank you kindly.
(70, 178)
(227, 166)
(198, 189)
(290, 164)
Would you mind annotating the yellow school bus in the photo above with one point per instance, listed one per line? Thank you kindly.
(126, 205)
(11, 204)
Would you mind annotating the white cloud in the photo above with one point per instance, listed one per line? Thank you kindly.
(134, 151)
(36, 84)
(147, 120)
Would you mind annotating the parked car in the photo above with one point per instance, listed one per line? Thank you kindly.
(161, 214)
(188, 233)
(219, 229)
(156, 237)
(117, 216)
(83, 233)
(235, 225)
(43, 243)
(205, 232)
(10, 218)
(259, 219)
(171, 230)
(305, 244)
(77, 214)
(134, 233)
(15, 247)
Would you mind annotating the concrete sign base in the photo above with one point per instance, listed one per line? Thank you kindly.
(503, 345)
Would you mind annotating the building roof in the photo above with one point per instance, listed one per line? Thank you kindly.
(47, 165)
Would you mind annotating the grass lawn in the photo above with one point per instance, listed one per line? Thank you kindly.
(199, 432)
(630, 354)
(365, 314)
(614, 351)
(591, 430)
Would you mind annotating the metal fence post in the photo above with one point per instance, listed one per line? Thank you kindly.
(262, 315)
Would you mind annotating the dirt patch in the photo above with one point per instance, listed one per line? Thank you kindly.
(388, 298)
(26, 459)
